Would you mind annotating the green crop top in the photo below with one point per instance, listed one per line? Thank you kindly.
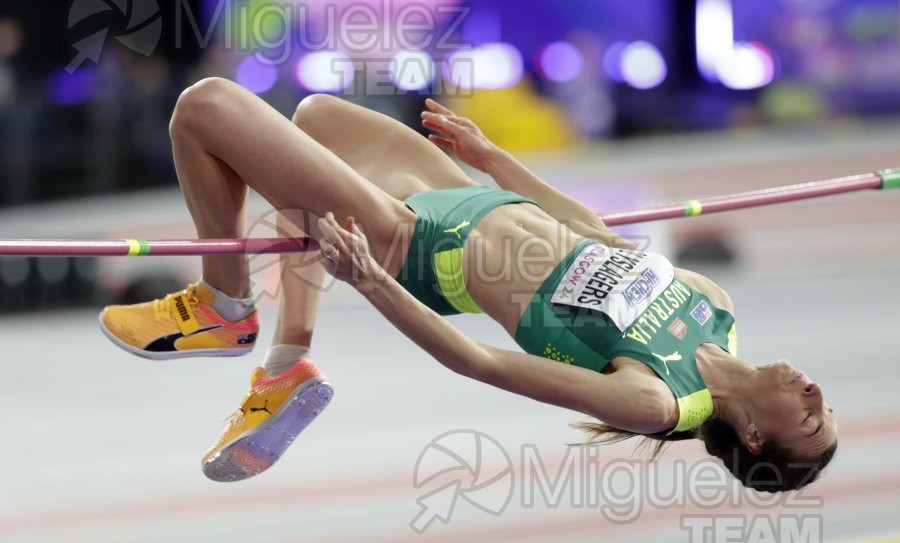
(601, 303)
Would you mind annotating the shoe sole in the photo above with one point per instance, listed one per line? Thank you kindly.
(170, 355)
(259, 448)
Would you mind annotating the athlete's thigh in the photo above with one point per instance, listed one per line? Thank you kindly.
(386, 152)
(220, 120)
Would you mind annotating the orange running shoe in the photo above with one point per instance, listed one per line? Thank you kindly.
(272, 415)
(181, 325)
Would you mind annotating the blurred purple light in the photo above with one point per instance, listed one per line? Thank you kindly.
(643, 66)
(612, 61)
(255, 76)
(65, 89)
(561, 62)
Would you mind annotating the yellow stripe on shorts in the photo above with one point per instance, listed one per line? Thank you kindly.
(449, 274)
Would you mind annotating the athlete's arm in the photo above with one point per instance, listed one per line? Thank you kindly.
(626, 403)
(463, 138)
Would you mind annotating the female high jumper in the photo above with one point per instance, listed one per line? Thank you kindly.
(608, 330)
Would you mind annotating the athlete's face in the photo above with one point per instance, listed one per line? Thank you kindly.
(790, 410)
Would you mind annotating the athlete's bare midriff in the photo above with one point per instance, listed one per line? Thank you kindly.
(513, 250)
(509, 254)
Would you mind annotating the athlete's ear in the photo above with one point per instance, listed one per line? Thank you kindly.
(752, 439)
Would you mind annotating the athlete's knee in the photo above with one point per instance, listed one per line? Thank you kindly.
(199, 103)
(314, 109)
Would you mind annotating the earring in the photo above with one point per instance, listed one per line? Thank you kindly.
(752, 427)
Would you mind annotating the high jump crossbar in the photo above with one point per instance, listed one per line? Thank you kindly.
(882, 180)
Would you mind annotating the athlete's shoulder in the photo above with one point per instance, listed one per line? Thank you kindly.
(706, 286)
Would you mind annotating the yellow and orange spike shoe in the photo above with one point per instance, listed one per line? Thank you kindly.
(272, 415)
(181, 325)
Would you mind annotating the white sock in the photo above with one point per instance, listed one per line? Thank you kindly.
(233, 309)
(281, 358)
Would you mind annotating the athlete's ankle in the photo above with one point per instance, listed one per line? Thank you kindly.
(281, 358)
(232, 309)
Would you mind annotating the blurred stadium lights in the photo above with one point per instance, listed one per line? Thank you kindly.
(560, 62)
(750, 66)
(412, 70)
(257, 77)
(643, 66)
(612, 61)
(325, 71)
(714, 35)
(736, 65)
(489, 66)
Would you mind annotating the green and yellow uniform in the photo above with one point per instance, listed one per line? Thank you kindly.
(598, 304)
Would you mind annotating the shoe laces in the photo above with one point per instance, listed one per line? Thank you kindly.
(163, 307)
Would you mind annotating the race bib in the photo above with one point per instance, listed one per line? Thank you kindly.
(620, 283)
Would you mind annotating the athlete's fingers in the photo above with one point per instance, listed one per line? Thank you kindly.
(450, 126)
(434, 125)
(464, 121)
(356, 228)
(460, 124)
(330, 234)
(439, 120)
(329, 251)
(344, 235)
(358, 239)
(433, 105)
(328, 239)
(354, 234)
(351, 242)
(443, 143)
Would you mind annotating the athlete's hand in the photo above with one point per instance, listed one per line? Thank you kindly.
(346, 253)
(458, 135)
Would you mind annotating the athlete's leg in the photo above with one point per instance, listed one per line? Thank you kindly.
(216, 198)
(384, 151)
(219, 125)
(302, 281)
(226, 139)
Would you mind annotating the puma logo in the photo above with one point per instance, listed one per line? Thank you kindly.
(674, 357)
(265, 408)
(457, 229)
(166, 344)
(182, 310)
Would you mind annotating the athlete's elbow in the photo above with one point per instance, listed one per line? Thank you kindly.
(480, 365)
(659, 413)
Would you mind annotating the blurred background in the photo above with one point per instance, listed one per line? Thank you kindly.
(620, 104)
(593, 93)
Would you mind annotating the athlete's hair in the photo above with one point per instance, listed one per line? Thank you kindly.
(774, 469)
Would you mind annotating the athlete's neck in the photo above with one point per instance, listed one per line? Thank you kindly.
(727, 378)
